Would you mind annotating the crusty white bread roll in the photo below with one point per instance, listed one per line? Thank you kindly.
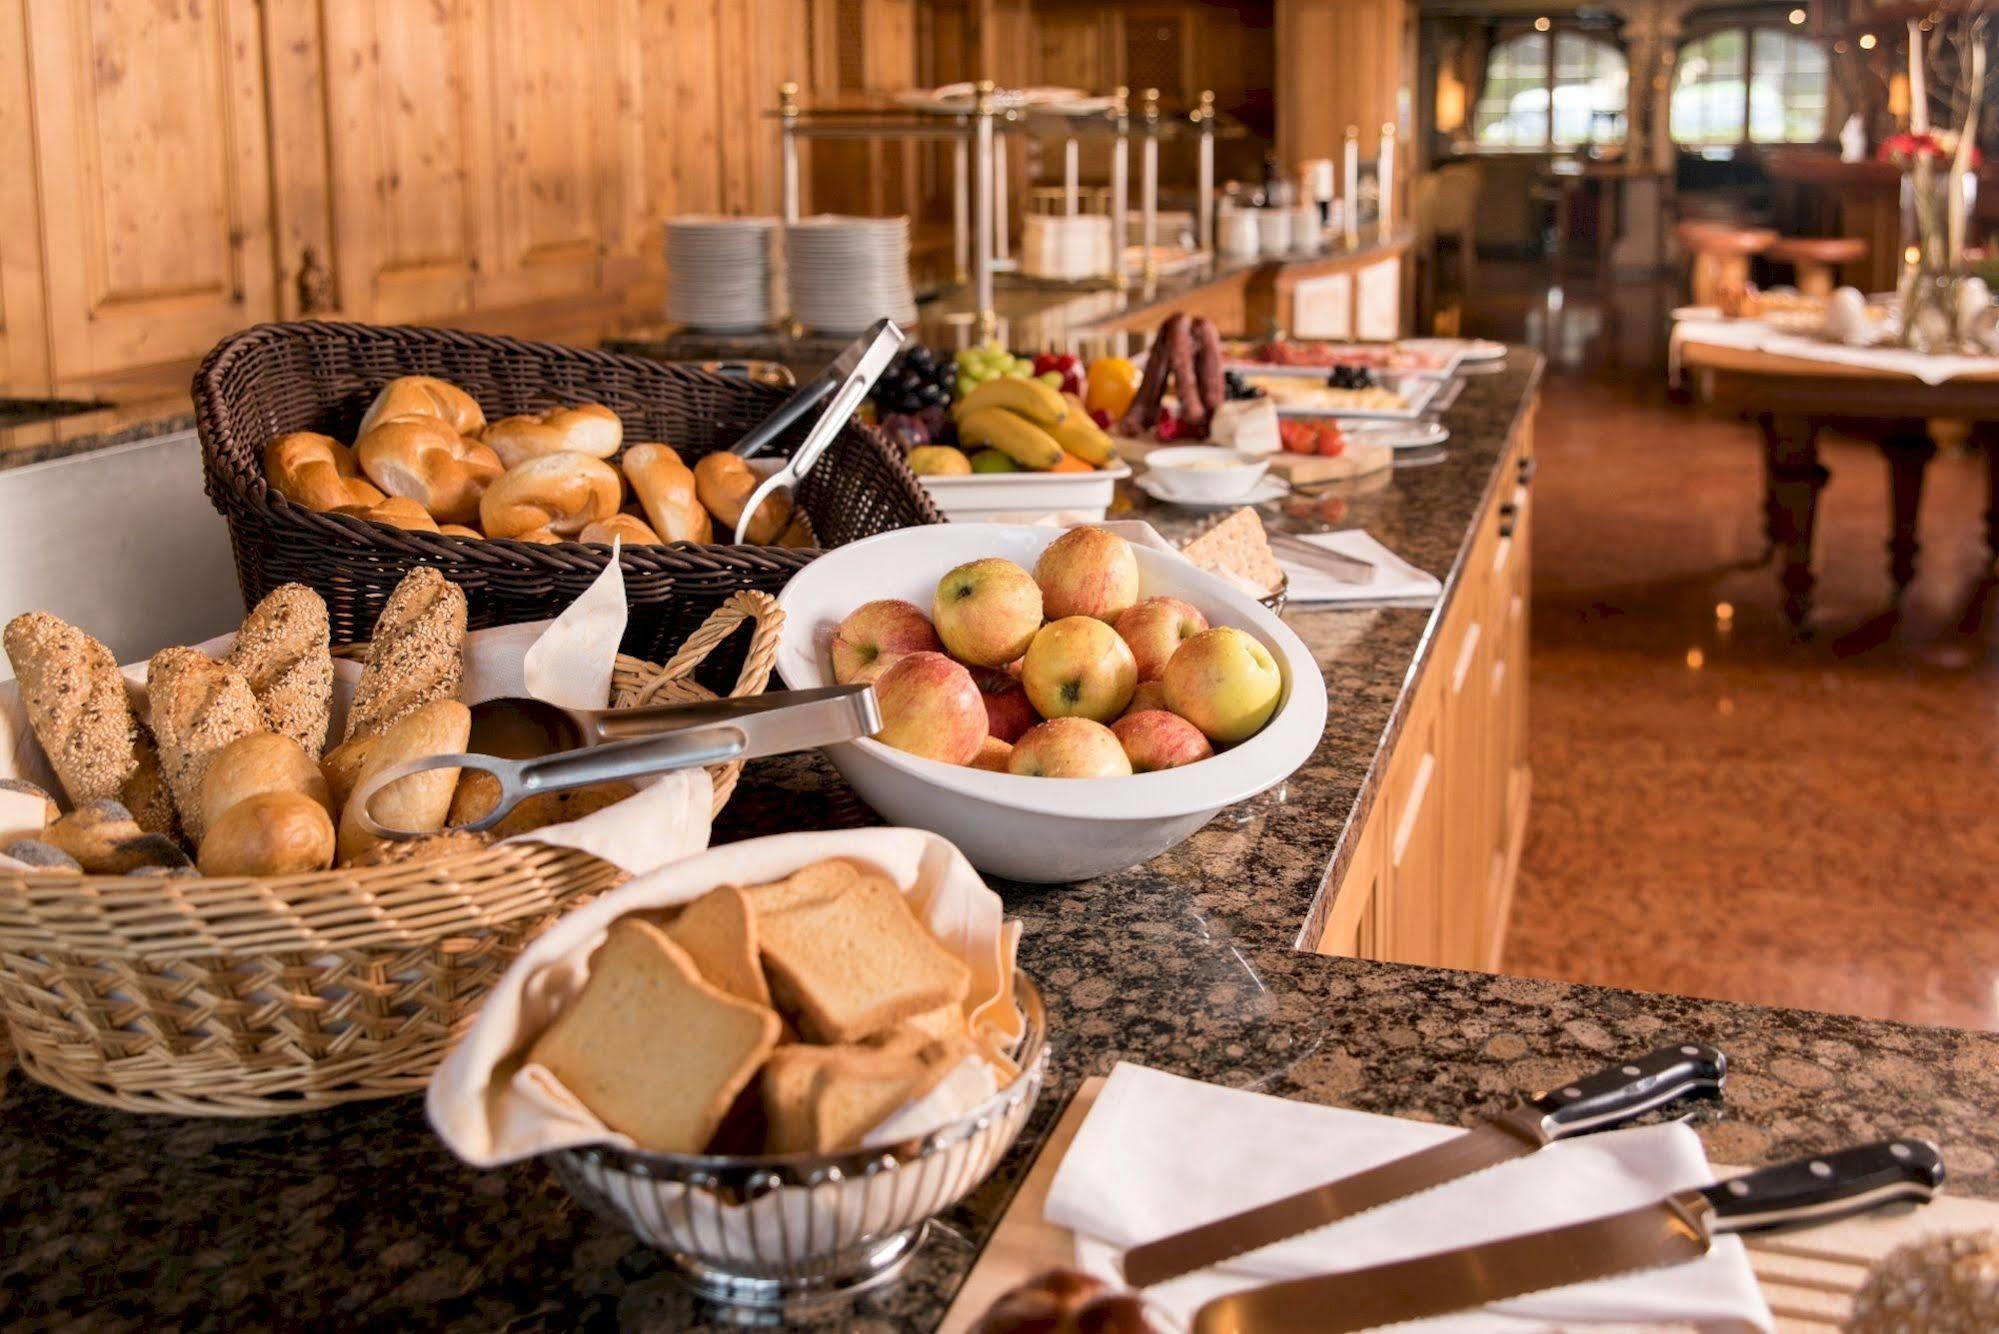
(420, 801)
(253, 765)
(283, 651)
(415, 653)
(458, 530)
(396, 511)
(724, 483)
(424, 396)
(316, 471)
(198, 706)
(271, 833)
(428, 461)
(630, 528)
(586, 428)
(563, 493)
(666, 489)
(341, 768)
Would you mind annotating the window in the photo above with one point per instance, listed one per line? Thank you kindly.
(1547, 90)
(1749, 85)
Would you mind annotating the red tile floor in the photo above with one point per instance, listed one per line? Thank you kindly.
(1720, 808)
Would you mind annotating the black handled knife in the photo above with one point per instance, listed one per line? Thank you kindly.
(1678, 1228)
(1610, 1097)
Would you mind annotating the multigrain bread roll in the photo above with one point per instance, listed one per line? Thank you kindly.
(424, 396)
(416, 653)
(284, 651)
(271, 833)
(397, 512)
(628, 528)
(557, 493)
(76, 703)
(666, 489)
(586, 428)
(448, 843)
(198, 706)
(428, 461)
(421, 801)
(103, 839)
(724, 483)
(317, 471)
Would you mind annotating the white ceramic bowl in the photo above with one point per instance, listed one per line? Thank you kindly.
(981, 496)
(1205, 473)
(1042, 830)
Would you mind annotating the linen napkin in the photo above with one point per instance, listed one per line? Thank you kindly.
(1395, 580)
(1158, 1154)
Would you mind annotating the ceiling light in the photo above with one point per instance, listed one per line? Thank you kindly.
(1867, 41)
(1541, 24)
(1797, 17)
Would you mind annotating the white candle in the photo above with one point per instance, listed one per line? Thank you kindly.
(1350, 180)
(1072, 171)
(1385, 178)
(1919, 98)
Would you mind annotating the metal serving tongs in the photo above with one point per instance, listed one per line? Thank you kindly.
(679, 736)
(877, 348)
(805, 398)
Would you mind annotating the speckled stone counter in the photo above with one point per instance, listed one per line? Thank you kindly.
(358, 1217)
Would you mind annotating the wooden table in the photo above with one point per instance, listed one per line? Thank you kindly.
(1794, 398)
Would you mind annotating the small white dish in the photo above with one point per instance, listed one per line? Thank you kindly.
(1468, 349)
(1399, 435)
(1207, 473)
(1265, 491)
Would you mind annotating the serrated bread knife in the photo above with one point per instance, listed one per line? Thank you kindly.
(1610, 1097)
(1680, 1227)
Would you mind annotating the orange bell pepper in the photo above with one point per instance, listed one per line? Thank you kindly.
(1111, 386)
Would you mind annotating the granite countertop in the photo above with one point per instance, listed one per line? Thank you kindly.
(1189, 963)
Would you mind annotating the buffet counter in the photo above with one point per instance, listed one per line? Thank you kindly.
(1201, 962)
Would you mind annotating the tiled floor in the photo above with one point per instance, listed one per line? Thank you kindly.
(1719, 808)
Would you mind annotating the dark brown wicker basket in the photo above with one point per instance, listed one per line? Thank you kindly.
(321, 376)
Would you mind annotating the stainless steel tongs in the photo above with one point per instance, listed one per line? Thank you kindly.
(688, 736)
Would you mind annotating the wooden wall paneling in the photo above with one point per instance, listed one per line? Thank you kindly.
(297, 108)
(1339, 63)
(24, 330)
(149, 128)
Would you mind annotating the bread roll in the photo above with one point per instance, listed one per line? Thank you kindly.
(198, 706)
(587, 428)
(478, 792)
(316, 471)
(38, 855)
(76, 703)
(458, 530)
(665, 488)
(104, 839)
(416, 655)
(630, 528)
(341, 768)
(271, 833)
(254, 765)
(420, 801)
(425, 459)
(563, 493)
(283, 651)
(397, 512)
(401, 852)
(424, 396)
(724, 483)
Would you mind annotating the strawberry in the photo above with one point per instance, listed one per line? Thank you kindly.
(1167, 429)
(1101, 418)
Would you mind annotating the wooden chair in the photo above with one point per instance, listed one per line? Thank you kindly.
(1446, 207)
(1816, 260)
(1721, 253)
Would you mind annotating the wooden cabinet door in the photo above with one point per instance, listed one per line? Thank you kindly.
(1415, 867)
(150, 138)
(1470, 793)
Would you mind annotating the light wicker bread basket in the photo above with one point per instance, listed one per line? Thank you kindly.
(251, 997)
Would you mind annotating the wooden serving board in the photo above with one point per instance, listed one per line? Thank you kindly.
(1808, 1278)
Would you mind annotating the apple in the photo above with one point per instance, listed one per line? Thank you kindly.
(1224, 682)
(1077, 667)
(1069, 748)
(1156, 739)
(987, 611)
(993, 755)
(876, 634)
(1008, 712)
(1156, 627)
(930, 707)
(1149, 695)
(1087, 572)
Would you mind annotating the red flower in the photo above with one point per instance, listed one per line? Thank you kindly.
(1907, 146)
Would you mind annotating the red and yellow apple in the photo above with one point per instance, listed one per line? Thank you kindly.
(993, 755)
(1087, 572)
(1077, 667)
(1069, 748)
(930, 707)
(875, 634)
(1008, 712)
(1154, 629)
(1225, 682)
(1156, 739)
(987, 611)
(1149, 695)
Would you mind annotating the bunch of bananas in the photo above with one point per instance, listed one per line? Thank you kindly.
(1027, 425)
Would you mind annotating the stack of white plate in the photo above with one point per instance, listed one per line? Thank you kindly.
(846, 273)
(719, 272)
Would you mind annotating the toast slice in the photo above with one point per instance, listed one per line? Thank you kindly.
(719, 932)
(649, 1046)
(821, 880)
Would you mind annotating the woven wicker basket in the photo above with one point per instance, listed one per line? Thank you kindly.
(321, 376)
(248, 997)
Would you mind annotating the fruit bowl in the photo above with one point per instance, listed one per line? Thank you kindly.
(975, 497)
(1043, 830)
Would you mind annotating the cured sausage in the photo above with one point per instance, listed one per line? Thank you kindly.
(1208, 365)
(1144, 409)
(1186, 384)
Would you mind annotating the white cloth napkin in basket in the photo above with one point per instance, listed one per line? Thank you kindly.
(1158, 1154)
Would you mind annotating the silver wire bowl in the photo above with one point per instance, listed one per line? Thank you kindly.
(797, 1230)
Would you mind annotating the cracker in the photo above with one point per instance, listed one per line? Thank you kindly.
(654, 1051)
(719, 932)
(1237, 546)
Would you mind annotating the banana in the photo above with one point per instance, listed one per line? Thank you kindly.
(1083, 437)
(1041, 404)
(1011, 434)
